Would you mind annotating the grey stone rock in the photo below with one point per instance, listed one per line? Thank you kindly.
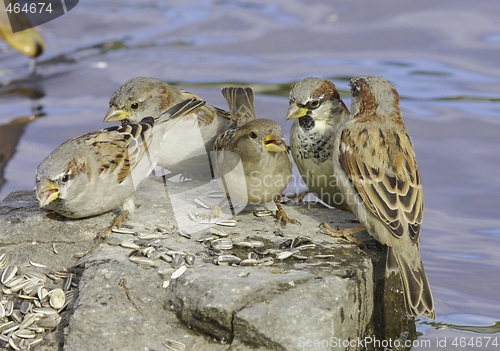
(288, 305)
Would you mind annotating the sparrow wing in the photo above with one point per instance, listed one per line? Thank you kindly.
(383, 169)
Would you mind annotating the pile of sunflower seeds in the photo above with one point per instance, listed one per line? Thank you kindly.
(31, 303)
(219, 247)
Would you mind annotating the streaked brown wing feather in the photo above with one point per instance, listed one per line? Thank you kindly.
(384, 172)
(123, 146)
(241, 104)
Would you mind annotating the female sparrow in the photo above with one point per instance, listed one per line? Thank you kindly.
(100, 171)
(378, 174)
(318, 113)
(192, 137)
(251, 160)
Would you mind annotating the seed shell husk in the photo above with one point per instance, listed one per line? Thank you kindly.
(57, 298)
(8, 273)
(202, 203)
(178, 272)
(227, 223)
(173, 345)
(222, 244)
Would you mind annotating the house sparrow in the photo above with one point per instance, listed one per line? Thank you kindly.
(192, 138)
(318, 113)
(251, 160)
(378, 175)
(100, 171)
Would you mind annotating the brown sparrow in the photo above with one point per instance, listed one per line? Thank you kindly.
(317, 112)
(100, 171)
(378, 175)
(251, 160)
(185, 150)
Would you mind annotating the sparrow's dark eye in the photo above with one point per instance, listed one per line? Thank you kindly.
(314, 104)
(253, 135)
(134, 106)
(65, 178)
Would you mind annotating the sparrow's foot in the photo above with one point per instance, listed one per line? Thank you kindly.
(281, 215)
(345, 233)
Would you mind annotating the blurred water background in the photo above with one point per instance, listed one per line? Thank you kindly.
(442, 56)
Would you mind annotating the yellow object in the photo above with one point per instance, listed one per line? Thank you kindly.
(28, 42)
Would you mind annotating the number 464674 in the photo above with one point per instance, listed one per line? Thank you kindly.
(481, 341)
(34, 7)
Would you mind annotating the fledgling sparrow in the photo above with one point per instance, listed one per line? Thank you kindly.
(379, 177)
(260, 146)
(185, 151)
(317, 112)
(100, 171)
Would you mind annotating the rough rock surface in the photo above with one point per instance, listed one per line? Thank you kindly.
(293, 304)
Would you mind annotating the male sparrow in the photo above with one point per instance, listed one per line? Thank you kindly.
(100, 171)
(377, 170)
(258, 145)
(318, 113)
(186, 149)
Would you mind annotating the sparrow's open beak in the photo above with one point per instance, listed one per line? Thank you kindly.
(275, 141)
(46, 192)
(114, 115)
(294, 111)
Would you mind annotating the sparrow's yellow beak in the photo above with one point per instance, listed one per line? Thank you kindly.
(114, 115)
(275, 141)
(295, 111)
(46, 192)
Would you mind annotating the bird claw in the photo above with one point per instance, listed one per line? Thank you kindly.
(282, 217)
(345, 233)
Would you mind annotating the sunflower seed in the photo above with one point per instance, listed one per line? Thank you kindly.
(304, 247)
(122, 231)
(199, 201)
(299, 257)
(128, 244)
(184, 234)
(6, 326)
(229, 260)
(9, 308)
(49, 322)
(34, 264)
(8, 273)
(177, 260)
(44, 310)
(253, 256)
(14, 343)
(166, 258)
(25, 307)
(226, 223)
(249, 262)
(28, 321)
(245, 244)
(174, 345)
(178, 272)
(4, 260)
(16, 316)
(262, 213)
(219, 232)
(35, 342)
(190, 258)
(143, 261)
(149, 236)
(57, 298)
(25, 334)
(222, 244)
(266, 261)
(257, 243)
(284, 255)
(2, 311)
